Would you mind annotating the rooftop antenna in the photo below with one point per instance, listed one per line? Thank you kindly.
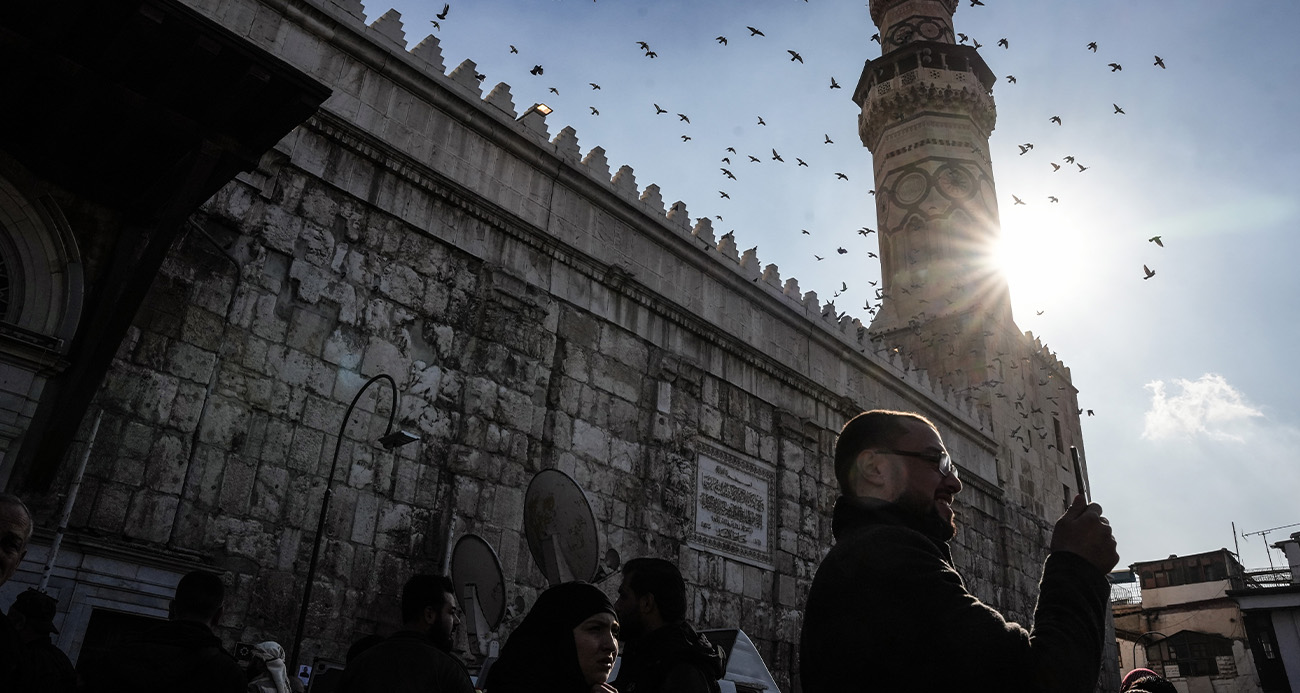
(560, 528)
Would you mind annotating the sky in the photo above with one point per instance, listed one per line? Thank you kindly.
(1197, 417)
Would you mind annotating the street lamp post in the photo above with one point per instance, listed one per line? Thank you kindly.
(390, 440)
(1139, 639)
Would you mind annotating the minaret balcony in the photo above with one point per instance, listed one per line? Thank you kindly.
(924, 76)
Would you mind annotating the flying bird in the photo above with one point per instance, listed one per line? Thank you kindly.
(841, 251)
(594, 86)
(973, 3)
(1118, 110)
(804, 232)
(1156, 240)
(443, 14)
(1018, 200)
(801, 161)
(553, 89)
(537, 70)
(1092, 46)
(1055, 119)
(1004, 43)
(682, 116)
(841, 176)
(819, 258)
(828, 139)
(1116, 67)
(964, 38)
(1024, 148)
(644, 46)
(977, 43)
(728, 174)
(875, 37)
(659, 110)
(593, 110)
(864, 231)
(1052, 198)
(1149, 272)
(834, 84)
(435, 24)
(722, 40)
(1011, 79)
(651, 54)
(514, 50)
(794, 56)
(1082, 168)
(1159, 62)
(1056, 167)
(731, 149)
(777, 157)
(724, 195)
(760, 121)
(755, 32)
(1068, 159)
(754, 159)
(686, 138)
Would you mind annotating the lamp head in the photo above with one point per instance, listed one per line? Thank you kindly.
(397, 439)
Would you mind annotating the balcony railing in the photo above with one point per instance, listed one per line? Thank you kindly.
(1267, 577)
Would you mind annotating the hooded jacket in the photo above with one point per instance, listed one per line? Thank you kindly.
(174, 656)
(888, 611)
(671, 659)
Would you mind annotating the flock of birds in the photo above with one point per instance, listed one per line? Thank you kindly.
(752, 154)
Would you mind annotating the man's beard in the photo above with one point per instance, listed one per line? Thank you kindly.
(924, 516)
(440, 636)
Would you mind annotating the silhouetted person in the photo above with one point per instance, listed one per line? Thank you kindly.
(182, 654)
(15, 531)
(415, 659)
(661, 653)
(43, 667)
(888, 611)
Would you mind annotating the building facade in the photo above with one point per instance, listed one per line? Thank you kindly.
(1185, 626)
(537, 309)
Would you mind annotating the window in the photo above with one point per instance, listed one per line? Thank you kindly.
(1194, 654)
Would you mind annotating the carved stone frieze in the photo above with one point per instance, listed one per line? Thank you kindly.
(915, 94)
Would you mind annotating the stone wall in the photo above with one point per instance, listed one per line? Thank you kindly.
(535, 312)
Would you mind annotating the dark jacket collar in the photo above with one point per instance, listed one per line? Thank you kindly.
(853, 513)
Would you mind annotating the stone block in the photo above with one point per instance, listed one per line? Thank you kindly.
(236, 487)
(166, 464)
(365, 514)
(111, 505)
(269, 488)
(307, 449)
(150, 516)
(190, 362)
(203, 329)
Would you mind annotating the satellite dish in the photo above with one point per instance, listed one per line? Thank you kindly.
(560, 528)
(474, 562)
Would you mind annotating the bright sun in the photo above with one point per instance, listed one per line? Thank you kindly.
(1044, 256)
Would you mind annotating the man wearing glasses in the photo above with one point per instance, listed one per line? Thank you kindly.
(888, 610)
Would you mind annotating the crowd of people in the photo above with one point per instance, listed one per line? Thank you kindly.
(887, 611)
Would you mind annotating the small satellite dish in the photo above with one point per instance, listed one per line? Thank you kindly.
(560, 528)
(474, 562)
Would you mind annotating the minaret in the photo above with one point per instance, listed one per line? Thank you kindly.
(927, 113)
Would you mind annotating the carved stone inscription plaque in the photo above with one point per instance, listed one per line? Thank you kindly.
(733, 507)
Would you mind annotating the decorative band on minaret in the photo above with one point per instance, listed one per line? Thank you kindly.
(927, 113)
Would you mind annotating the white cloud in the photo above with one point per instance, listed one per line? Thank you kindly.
(1208, 407)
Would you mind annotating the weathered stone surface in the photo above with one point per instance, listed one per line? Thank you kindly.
(519, 342)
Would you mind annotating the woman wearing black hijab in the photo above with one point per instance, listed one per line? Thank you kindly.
(566, 644)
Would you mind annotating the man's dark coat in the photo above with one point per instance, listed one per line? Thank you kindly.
(888, 611)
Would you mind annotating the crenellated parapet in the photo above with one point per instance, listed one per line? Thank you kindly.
(425, 62)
